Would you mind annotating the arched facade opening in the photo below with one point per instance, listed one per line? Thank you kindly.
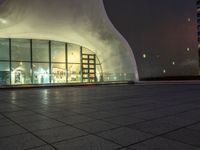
(31, 61)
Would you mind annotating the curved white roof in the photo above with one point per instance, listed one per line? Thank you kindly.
(83, 22)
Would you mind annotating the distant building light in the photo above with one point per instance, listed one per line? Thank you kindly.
(189, 19)
(144, 56)
(173, 63)
(188, 49)
(164, 71)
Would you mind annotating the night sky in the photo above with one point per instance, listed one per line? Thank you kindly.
(162, 34)
(162, 30)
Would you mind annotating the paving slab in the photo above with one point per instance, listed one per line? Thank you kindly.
(87, 143)
(5, 122)
(162, 144)
(41, 124)
(96, 126)
(10, 130)
(60, 133)
(187, 136)
(74, 119)
(19, 142)
(154, 127)
(124, 136)
(123, 120)
(45, 147)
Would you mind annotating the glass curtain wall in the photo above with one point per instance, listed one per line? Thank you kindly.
(24, 61)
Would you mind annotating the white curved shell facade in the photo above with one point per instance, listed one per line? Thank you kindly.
(82, 22)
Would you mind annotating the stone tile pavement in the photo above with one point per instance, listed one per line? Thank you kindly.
(115, 117)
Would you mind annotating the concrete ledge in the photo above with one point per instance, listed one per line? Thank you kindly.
(62, 85)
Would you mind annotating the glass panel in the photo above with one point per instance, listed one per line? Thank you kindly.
(92, 71)
(57, 52)
(21, 73)
(85, 61)
(85, 56)
(74, 73)
(40, 73)
(4, 49)
(85, 70)
(73, 53)
(85, 66)
(91, 56)
(91, 61)
(20, 50)
(91, 66)
(58, 73)
(40, 51)
(4, 73)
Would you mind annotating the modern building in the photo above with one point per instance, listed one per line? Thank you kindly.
(61, 41)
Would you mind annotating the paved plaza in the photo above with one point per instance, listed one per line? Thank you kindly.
(108, 117)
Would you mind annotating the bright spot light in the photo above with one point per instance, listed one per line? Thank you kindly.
(144, 56)
(189, 19)
(173, 63)
(164, 71)
(188, 49)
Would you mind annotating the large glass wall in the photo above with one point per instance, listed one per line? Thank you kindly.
(26, 61)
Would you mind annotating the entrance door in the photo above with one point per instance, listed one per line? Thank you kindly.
(88, 66)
